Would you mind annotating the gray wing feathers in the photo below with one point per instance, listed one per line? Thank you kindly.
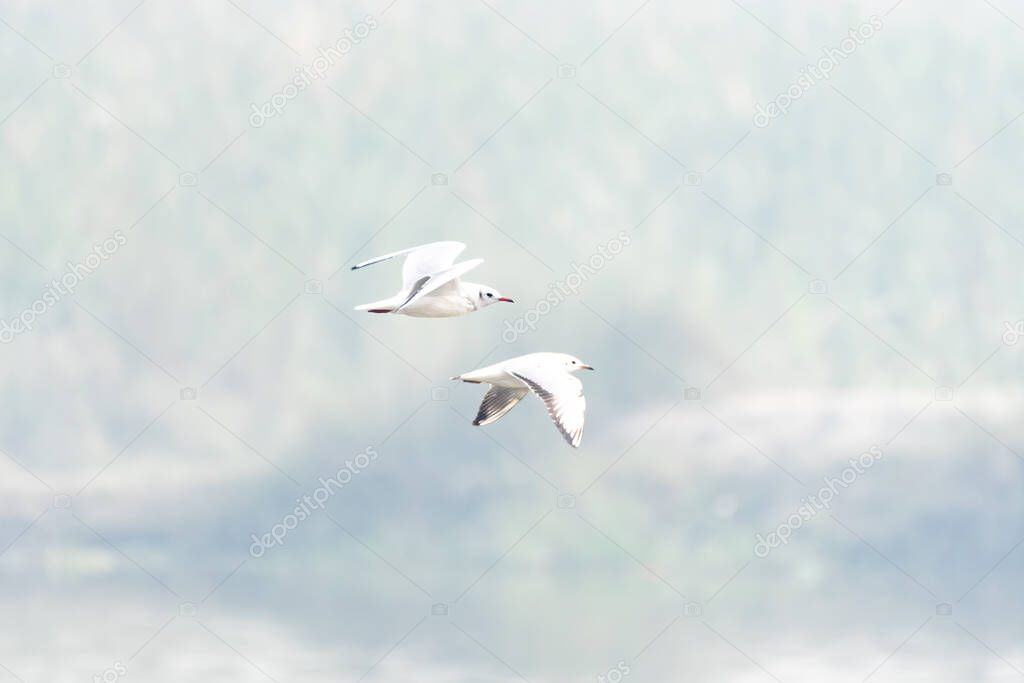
(497, 401)
(416, 287)
(566, 412)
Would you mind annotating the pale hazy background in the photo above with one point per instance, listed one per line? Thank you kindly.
(814, 280)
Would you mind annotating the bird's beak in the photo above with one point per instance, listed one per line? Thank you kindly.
(505, 299)
(587, 367)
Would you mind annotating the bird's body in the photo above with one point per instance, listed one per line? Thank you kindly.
(431, 284)
(454, 298)
(549, 375)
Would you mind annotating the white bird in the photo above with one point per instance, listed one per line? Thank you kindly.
(431, 287)
(549, 375)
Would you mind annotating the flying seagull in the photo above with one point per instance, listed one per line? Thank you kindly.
(431, 287)
(549, 375)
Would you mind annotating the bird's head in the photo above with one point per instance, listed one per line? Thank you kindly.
(487, 296)
(572, 363)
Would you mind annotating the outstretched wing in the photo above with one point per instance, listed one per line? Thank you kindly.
(498, 401)
(426, 284)
(425, 259)
(563, 397)
(430, 259)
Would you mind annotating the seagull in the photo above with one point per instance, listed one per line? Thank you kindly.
(549, 375)
(431, 287)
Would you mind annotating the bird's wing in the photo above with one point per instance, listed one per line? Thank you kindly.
(422, 260)
(498, 401)
(562, 395)
(426, 284)
(429, 260)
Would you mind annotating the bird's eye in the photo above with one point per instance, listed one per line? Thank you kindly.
(574, 362)
(489, 295)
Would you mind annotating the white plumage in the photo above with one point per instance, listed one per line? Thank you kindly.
(431, 284)
(549, 375)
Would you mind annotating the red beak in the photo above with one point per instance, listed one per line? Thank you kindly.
(505, 298)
